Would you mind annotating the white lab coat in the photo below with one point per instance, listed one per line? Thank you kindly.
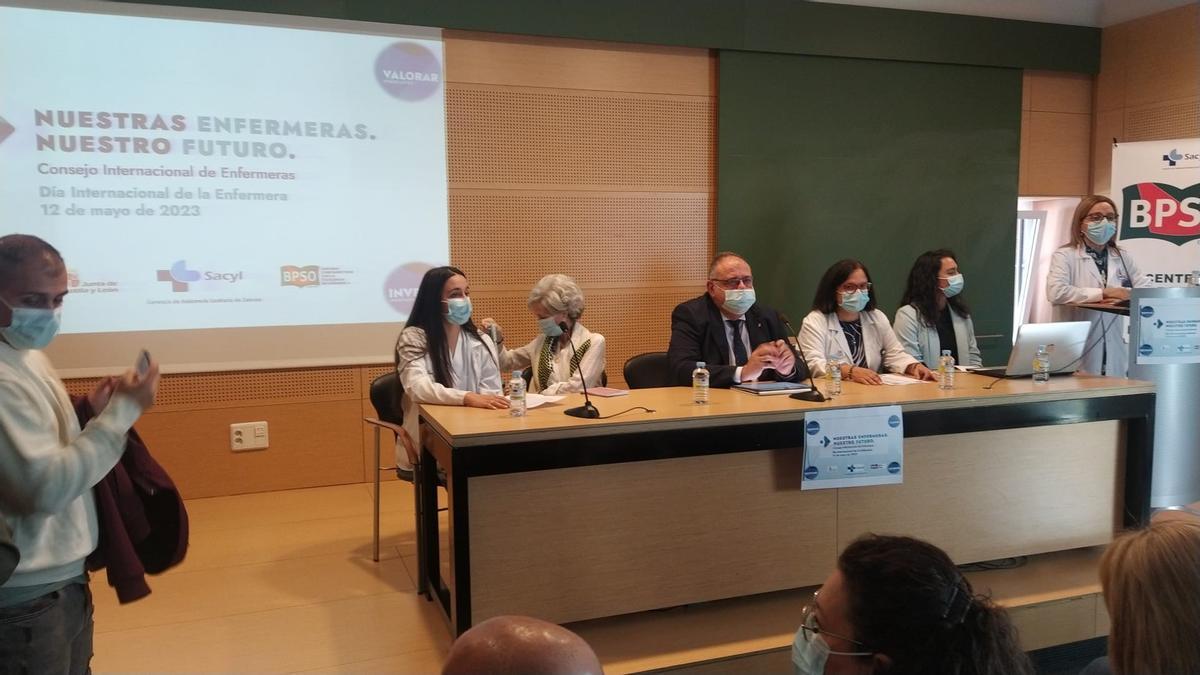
(474, 369)
(1073, 278)
(921, 340)
(591, 365)
(821, 338)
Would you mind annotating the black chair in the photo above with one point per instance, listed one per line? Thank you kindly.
(386, 394)
(648, 370)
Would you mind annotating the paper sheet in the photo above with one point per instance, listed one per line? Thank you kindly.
(534, 400)
(893, 378)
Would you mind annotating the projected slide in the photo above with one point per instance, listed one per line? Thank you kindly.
(214, 175)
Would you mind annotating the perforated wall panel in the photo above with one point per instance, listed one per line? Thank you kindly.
(201, 391)
(1162, 122)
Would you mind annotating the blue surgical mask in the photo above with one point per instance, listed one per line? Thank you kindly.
(809, 655)
(955, 287)
(1101, 232)
(458, 310)
(855, 301)
(32, 328)
(739, 300)
(550, 327)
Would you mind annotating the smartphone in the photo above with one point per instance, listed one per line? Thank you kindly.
(143, 363)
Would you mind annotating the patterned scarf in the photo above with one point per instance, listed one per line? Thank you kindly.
(545, 364)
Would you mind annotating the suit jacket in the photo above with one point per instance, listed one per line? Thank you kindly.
(698, 334)
(143, 522)
(9, 555)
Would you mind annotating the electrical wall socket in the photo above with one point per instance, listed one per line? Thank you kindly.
(248, 436)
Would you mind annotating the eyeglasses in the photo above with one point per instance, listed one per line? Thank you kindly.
(850, 288)
(1097, 217)
(733, 282)
(810, 627)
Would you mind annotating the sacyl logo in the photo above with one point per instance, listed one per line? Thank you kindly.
(1174, 157)
(181, 277)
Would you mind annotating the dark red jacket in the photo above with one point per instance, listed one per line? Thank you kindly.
(143, 523)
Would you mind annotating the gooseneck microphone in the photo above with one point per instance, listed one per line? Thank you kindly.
(587, 410)
(812, 395)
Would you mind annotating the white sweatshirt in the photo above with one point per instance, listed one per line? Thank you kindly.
(48, 466)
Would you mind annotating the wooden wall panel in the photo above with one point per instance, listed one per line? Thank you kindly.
(1149, 84)
(1056, 134)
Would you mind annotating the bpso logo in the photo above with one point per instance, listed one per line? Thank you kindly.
(313, 275)
(1161, 211)
(181, 278)
(400, 287)
(408, 71)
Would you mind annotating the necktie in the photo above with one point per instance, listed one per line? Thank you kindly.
(739, 347)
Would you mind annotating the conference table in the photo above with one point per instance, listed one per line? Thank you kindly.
(570, 519)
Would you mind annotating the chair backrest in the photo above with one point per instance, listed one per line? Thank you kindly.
(386, 394)
(648, 370)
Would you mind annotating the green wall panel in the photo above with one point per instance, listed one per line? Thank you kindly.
(827, 158)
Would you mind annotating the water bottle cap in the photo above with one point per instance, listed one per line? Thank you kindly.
(699, 364)
(1041, 348)
(517, 375)
(945, 352)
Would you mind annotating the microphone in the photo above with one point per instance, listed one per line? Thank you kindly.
(587, 410)
(813, 395)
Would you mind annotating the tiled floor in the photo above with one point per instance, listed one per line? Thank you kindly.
(281, 582)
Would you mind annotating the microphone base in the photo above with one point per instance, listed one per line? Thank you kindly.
(586, 411)
(812, 396)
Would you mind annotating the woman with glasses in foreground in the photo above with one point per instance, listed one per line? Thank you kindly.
(1091, 268)
(898, 605)
(844, 327)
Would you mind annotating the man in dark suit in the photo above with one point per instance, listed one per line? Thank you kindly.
(739, 340)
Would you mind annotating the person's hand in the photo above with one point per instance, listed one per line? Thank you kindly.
(98, 398)
(486, 401)
(141, 388)
(785, 359)
(489, 324)
(863, 375)
(919, 371)
(1115, 294)
(762, 358)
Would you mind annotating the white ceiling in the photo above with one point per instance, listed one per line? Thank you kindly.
(1096, 13)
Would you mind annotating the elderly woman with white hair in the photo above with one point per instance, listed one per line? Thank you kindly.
(557, 303)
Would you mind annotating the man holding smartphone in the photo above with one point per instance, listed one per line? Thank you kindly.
(48, 466)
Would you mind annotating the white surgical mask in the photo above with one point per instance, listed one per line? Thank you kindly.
(31, 328)
(955, 287)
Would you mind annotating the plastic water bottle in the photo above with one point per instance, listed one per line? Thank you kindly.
(946, 370)
(833, 378)
(1041, 365)
(516, 395)
(700, 383)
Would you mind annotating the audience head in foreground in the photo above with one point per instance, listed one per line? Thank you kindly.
(899, 605)
(520, 644)
(1151, 581)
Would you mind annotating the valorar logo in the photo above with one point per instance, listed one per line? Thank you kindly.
(1161, 211)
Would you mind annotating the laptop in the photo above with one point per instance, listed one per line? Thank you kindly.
(1065, 341)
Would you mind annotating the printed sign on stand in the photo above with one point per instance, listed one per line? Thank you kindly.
(853, 447)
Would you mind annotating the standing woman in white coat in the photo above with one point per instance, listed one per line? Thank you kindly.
(442, 357)
(933, 315)
(1092, 268)
(845, 325)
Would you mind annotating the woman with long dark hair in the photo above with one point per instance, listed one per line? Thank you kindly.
(933, 315)
(898, 605)
(1091, 268)
(441, 356)
(845, 327)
